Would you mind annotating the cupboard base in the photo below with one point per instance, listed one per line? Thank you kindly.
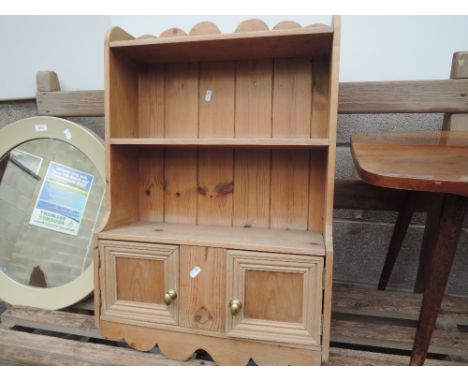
(224, 351)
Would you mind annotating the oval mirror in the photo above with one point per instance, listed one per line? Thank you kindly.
(52, 199)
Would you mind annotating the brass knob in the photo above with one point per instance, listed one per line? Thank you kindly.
(170, 296)
(235, 306)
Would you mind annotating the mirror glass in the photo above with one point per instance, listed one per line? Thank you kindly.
(52, 198)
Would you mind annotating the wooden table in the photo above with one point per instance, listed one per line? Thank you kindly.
(423, 161)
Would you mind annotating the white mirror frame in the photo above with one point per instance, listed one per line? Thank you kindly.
(92, 146)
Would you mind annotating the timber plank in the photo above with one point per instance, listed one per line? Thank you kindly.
(51, 320)
(444, 341)
(399, 305)
(37, 349)
(351, 357)
(425, 96)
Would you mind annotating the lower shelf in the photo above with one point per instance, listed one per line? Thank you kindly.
(257, 239)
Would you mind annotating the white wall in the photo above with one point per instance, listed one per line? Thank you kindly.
(373, 47)
(70, 45)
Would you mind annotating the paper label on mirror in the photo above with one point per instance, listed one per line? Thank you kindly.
(62, 199)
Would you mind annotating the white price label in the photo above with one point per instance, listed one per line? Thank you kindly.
(40, 128)
(195, 272)
(67, 133)
(208, 95)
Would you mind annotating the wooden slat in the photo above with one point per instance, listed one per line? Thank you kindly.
(215, 187)
(436, 96)
(151, 186)
(292, 98)
(50, 320)
(429, 96)
(217, 82)
(289, 189)
(70, 103)
(181, 101)
(35, 349)
(252, 188)
(253, 99)
(351, 357)
(444, 341)
(399, 305)
(151, 102)
(180, 197)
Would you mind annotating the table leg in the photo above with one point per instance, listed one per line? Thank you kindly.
(399, 232)
(451, 221)
(428, 243)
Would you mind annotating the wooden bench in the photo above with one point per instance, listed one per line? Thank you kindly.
(426, 96)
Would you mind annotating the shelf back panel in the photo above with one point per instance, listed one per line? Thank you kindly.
(279, 98)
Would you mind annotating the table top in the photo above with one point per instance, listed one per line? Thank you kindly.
(420, 161)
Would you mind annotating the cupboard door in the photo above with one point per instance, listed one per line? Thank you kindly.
(138, 282)
(275, 297)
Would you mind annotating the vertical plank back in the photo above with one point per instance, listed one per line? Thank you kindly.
(181, 100)
(151, 102)
(180, 178)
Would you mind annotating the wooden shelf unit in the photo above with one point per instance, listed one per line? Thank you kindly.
(220, 171)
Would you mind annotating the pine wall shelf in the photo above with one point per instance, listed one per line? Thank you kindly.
(220, 176)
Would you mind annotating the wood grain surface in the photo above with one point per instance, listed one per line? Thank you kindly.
(421, 161)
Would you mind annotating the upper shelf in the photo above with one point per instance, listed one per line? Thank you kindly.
(225, 142)
(300, 42)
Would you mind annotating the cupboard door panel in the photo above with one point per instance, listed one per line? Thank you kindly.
(140, 280)
(280, 296)
(135, 278)
(278, 288)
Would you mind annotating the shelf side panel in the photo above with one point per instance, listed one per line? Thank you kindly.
(254, 98)
(123, 186)
(217, 85)
(320, 97)
(318, 172)
(180, 199)
(151, 185)
(292, 98)
(252, 188)
(289, 189)
(215, 187)
(122, 90)
(181, 96)
(151, 102)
